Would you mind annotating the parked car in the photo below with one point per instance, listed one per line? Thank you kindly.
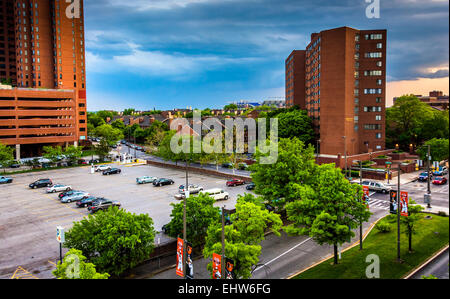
(88, 201)
(250, 186)
(102, 168)
(5, 180)
(58, 188)
(235, 182)
(192, 189)
(112, 171)
(377, 186)
(76, 196)
(146, 179)
(217, 194)
(423, 177)
(441, 171)
(139, 148)
(61, 195)
(103, 205)
(243, 166)
(439, 180)
(162, 182)
(41, 183)
(165, 228)
(227, 165)
(15, 164)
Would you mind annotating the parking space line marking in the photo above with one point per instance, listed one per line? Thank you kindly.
(21, 273)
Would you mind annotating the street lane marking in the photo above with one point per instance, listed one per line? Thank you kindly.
(286, 252)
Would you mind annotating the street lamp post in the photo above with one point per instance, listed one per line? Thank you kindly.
(398, 215)
(186, 195)
(222, 270)
(345, 153)
(428, 178)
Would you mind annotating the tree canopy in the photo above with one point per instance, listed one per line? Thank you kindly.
(74, 266)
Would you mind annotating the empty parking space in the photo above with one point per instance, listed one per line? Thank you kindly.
(29, 217)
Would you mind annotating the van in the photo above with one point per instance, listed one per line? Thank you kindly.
(217, 194)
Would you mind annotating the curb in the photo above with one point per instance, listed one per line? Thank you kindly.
(429, 260)
(331, 255)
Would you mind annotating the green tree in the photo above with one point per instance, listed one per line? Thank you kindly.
(129, 111)
(94, 119)
(6, 156)
(327, 209)
(296, 123)
(410, 222)
(73, 153)
(53, 153)
(104, 114)
(118, 124)
(114, 240)
(230, 107)
(102, 149)
(439, 149)
(281, 181)
(74, 266)
(200, 213)
(109, 134)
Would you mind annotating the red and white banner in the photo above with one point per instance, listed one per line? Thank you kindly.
(366, 195)
(404, 203)
(217, 266)
(180, 243)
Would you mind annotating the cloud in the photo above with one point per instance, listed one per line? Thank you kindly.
(158, 64)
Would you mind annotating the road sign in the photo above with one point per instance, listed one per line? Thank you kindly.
(60, 234)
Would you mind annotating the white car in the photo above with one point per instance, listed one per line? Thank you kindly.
(101, 168)
(217, 194)
(192, 189)
(58, 188)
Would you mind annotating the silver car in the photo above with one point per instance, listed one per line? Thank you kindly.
(102, 168)
(146, 179)
(192, 189)
(58, 188)
(76, 196)
(377, 186)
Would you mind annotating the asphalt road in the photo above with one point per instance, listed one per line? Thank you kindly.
(438, 267)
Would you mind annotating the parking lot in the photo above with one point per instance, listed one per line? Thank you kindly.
(29, 217)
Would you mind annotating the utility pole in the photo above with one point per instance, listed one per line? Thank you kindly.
(360, 222)
(398, 215)
(428, 178)
(186, 195)
(222, 264)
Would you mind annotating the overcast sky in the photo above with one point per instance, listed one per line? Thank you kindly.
(168, 54)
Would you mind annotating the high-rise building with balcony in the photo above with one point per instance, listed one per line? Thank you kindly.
(344, 74)
(42, 56)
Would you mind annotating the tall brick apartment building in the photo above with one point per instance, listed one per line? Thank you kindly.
(42, 57)
(340, 79)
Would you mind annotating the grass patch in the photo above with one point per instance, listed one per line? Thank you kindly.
(432, 235)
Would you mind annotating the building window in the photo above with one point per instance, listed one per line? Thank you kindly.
(378, 117)
(378, 136)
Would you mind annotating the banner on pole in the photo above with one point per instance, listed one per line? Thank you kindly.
(404, 203)
(366, 195)
(393, 202)
(217, 266)
(229, 269)
(189, 263)
(179, 270)
(60, 237)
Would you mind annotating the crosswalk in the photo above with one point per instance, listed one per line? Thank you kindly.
(378, 204)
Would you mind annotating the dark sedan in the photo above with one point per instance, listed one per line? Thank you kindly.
(89, 201)
(41, 183)
(162, 182)
(423, 177)
(250, 186)
(112, 171)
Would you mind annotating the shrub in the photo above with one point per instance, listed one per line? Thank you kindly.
(383, 227)
(442, 213)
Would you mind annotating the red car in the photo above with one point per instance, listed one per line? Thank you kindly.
(439, 181)
(235, 182)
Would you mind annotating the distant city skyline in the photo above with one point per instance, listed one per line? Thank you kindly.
(206, 54)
